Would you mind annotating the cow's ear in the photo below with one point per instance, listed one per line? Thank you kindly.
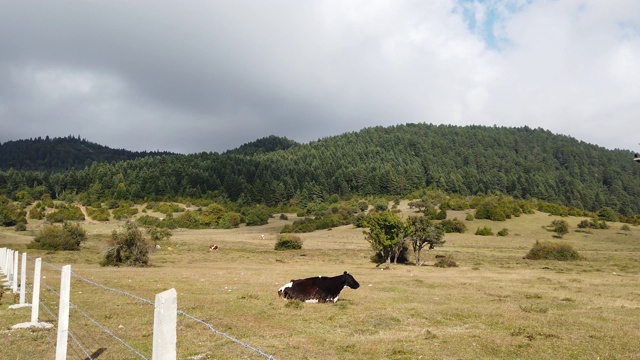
(345, 273)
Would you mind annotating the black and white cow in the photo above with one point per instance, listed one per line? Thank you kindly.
(317, 289)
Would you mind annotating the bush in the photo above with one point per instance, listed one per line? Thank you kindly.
(560, 227)
(625, 227)
(485, 231)
(124, 212)
(503, 232)
(284, 216)
(37, 212)
(453, 226)
(66, 237)
(21, 226)
(10, 214)
(381, 206)
(469, 217)
(288, 242)
(445, 262)
(64, 213)
(98, 214)
(548, 250)
(148, 220)
(127, 248)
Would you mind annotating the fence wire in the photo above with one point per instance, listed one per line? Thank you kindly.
(148, 302)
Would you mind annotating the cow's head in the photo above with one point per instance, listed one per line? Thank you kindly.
(350, 281)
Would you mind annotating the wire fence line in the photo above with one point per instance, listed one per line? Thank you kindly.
(105, 330)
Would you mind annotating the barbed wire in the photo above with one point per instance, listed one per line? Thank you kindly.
(180, 312)
(98, 324)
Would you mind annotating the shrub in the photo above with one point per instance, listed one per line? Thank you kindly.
(288, 242)
(441, 215)
(453, 226)
(10, 214)
(148, 220)
(284, 216)
(381, 206)
(484, 231)
(230, 220)
(65, 212)
(159, 234)
(445, 262)
(127, 248)
(560, 227)
(21, 226)
(124, 212)
(98, 214)
(503, 232)
(66, 237)
(625, 227)
(37, 212)
(548, 250)
(469, 217)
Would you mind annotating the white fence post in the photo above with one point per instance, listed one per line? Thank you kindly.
(63, 313)
(9, 269)
(23, 284)
(35, 300)
(3, 260)
(14, 285)
(164, 326)
(23, 279)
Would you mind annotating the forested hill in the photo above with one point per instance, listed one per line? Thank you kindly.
(60, 154)
(470, 160)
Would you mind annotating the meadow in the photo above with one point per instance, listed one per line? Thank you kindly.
(494, 305)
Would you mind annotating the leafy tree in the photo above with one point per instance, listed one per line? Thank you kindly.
(385, 234)
(422, 232)
(560, 227)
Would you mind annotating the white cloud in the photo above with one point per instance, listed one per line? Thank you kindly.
(213, 75)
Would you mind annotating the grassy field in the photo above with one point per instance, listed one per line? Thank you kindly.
(494, 305)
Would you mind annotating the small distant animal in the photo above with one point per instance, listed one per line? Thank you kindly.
(213, 247)
(319, 289)
(262, 236)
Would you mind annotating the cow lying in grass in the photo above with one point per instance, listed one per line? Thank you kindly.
(317, 289)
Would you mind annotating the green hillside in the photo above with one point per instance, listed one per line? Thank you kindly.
(380, 161)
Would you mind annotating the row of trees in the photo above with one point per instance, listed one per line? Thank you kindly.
(394, 161)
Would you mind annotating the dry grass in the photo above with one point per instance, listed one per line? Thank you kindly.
(495, 305)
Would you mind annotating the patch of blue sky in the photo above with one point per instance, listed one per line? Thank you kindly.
(486, 18)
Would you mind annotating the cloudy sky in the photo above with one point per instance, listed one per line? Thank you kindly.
(209, 75)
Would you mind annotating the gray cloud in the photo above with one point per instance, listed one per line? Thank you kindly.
(212, 75)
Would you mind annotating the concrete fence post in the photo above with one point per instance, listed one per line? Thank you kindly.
(3, 260)
(63, 313)
(23, 284)
(9, 270)
(164, 326)
(35, 300)
(14, 285)
(23, 279)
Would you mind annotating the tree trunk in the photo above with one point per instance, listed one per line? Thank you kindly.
(388, 264)
(417, 253)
